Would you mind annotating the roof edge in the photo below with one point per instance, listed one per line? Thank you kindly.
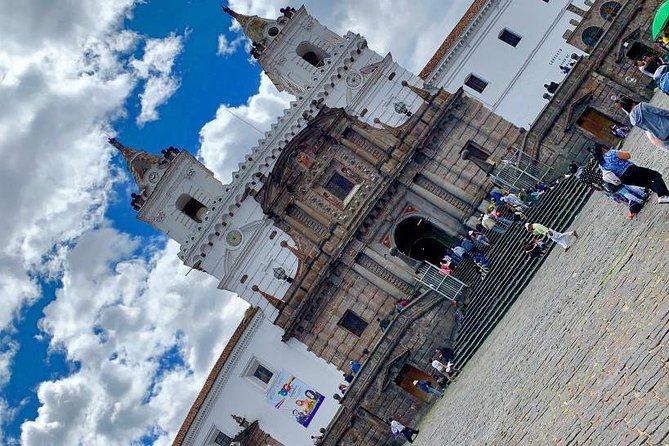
(450, 40)
(249, 315)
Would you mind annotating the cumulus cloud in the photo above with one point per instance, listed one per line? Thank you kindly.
(62, 83)
(156, 67)
(226, 47)
(117, 315)
(235, 130)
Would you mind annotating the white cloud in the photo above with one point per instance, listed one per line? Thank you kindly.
(139, 309)
(8, 349)
(226, 139)
(225, 47)
(156, 67)
(62, 83)
(157, 90)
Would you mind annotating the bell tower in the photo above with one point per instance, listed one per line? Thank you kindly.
(318, 66)
(236, 243)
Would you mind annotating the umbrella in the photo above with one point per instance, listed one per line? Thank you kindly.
(661, 18)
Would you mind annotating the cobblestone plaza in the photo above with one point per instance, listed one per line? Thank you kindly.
(582, 357)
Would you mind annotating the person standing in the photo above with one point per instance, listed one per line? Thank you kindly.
(490, 222)
(355, 367)
(445, 354)
(552, 87)
(426, 387)
(618, 162)
(445, 369)
(646, 117)
(397, 429)
(534, 249)
(560, 238)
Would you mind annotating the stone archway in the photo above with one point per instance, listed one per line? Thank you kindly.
(418, 238)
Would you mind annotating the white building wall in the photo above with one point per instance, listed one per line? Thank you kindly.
(515, 75)
(244, 396)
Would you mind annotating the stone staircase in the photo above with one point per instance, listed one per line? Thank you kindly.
(510, 271)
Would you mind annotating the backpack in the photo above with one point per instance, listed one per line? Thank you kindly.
(610, 177)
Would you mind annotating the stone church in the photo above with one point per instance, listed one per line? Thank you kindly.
(369, 174)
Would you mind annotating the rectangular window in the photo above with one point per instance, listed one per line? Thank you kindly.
(339, 186)
(509, 37)
(258, 373)
(222, 439)
(475, 151)
(476, 83)
(353, 323)
(263, 374)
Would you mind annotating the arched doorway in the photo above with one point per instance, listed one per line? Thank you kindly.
(421, 240)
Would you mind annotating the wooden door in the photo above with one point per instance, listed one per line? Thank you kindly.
(408, 375)
(597, 125)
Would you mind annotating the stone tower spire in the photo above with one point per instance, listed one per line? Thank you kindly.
(254, 27)
(146, 168)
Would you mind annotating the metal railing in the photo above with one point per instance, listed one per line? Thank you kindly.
(440, 282)
(519, 171)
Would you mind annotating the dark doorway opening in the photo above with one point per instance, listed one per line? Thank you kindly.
(638, 51)
(421, 240)
(408, 375)
(597, 125)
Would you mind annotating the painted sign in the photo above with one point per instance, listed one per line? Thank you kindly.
(289, 394)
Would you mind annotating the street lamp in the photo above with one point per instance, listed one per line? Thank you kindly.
(280, 274)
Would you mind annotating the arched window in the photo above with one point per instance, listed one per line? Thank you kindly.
(592, 35)
(312, 54)
(191, 207)
(609, 10)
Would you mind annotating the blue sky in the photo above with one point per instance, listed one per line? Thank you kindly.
(104, 339)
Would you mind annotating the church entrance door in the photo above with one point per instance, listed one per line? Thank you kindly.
(596, 125)
(408, 375)
(423, 241)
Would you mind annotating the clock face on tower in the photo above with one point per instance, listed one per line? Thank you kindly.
(233, 238)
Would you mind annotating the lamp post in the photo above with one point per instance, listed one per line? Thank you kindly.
(280, 274)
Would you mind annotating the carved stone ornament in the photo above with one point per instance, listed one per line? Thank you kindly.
(190, 173)
(308, 25)
(354, 80)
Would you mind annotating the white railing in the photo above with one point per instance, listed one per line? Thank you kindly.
(519, 171)
(444, 284)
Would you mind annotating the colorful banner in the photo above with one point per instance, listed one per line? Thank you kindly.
(290, 395)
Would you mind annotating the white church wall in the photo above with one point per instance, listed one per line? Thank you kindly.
(246, 396)
(515, 75)
(256, 256)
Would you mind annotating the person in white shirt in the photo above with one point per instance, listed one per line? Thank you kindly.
(398, 429)
(445, 369)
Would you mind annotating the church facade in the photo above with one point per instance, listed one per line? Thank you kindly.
(369, 174)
